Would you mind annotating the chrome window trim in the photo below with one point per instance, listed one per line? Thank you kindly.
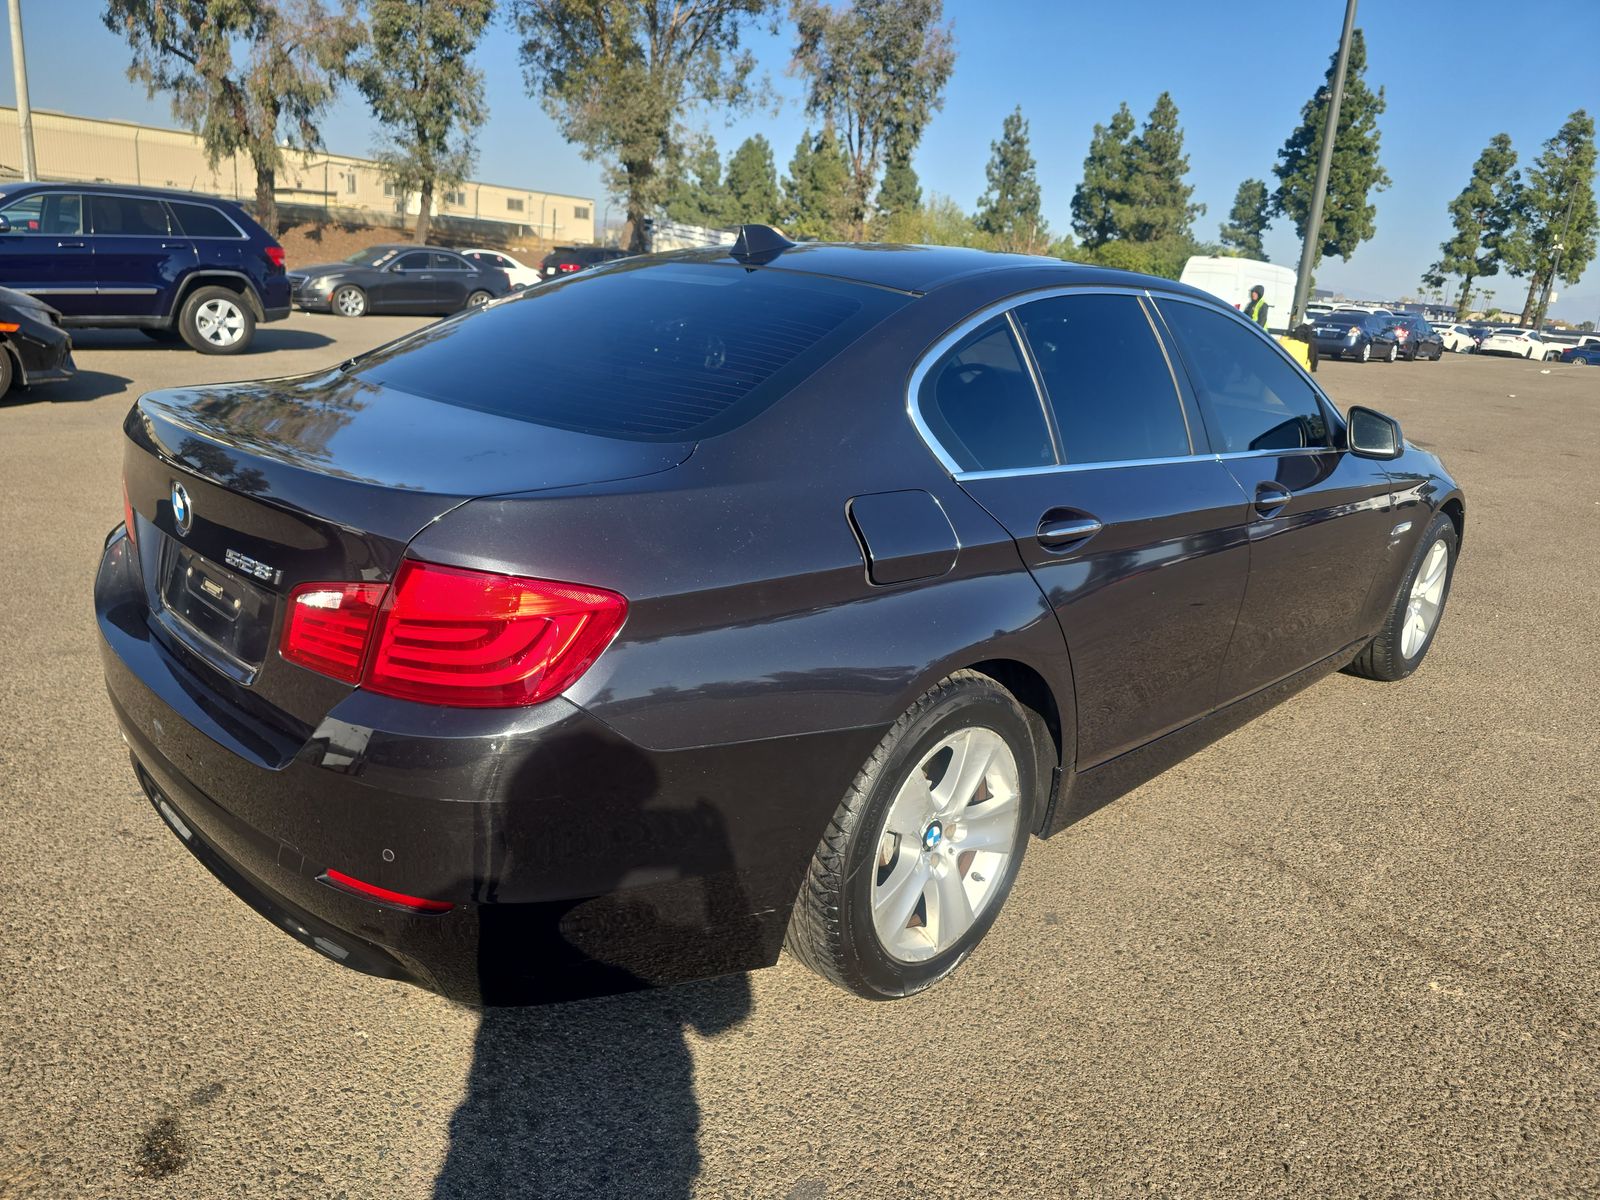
(164, 201)
(947, 341)
(1007, 472)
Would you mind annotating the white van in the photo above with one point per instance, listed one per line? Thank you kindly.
(1231, 279)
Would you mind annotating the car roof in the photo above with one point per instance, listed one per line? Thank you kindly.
(920, 269)
(17, 185)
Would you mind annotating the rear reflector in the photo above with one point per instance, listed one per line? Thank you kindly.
(276, 256)
(371, 891)
(328, 625)
(449, 636)
(481, 640)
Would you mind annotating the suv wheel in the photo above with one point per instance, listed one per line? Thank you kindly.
(923, 849)
(215, 320)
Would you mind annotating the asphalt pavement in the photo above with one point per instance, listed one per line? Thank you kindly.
(1350, 950)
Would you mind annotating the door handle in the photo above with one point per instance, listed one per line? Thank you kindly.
(174, 245)
(1270, 497)
(1059, 532)
(70, 245)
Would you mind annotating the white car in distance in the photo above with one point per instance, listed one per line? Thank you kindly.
(521, 274)
(1519, 343)
(1457, 339)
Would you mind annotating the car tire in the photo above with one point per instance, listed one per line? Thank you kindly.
(479, 298)
(1394, 353)
(1366, 351)
(215, 320)
(1402, 644)
(8, 373)
(348, 301)
(867, 877)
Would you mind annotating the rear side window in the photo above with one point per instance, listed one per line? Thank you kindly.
(647, 353)
(202, 221)
(1106, 377)
(1253, 398)
(49, 213)
(981, 406)
(447, 262)
(128, 216)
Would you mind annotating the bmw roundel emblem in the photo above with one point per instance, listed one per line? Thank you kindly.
(182, 510)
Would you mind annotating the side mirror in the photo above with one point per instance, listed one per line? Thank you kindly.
(1373, 434)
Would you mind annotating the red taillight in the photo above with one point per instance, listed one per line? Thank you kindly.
(276, 256)
(328, 625)
(127, 515)
(382, 895)
(481, 640)
(444, 635)
(567, 266)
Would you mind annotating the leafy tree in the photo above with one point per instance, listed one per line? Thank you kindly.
(1155, 205)
(420, 83)
(619, 76)
(1248, 221)
(876, 72)
(1559, 219)
(698, 195)
(899, 195)
(295, 54)
(1486, 216)
(816, 192)
(1103, 189)
(1355, 173)
(752, 185)
(939, 222)
(1009, 211)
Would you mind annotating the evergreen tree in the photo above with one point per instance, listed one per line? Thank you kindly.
(1558, 213)
(1009, 211)
(1355, 173)
(900, 194)
(1485, 216)
(1103, 190)
(1155, 203)
(1248, 220)
(816, 193)
(698, 196)
(752, 186)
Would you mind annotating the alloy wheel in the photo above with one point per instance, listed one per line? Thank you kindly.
(1426, 599)
(350, 302)
(219, 322)
(945, 844)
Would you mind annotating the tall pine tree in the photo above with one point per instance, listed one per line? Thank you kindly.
(899, 196)
(1558, 212)
(1155, 205)
(1486, 215)
(1009, 211)
(698, 196)
(1347, 214)
(1248, 221)
(752, 184)
(1105, 180)
(816, 193)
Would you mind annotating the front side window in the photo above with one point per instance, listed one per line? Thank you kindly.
(980, 404)
(127, 216)
(1254, 398)
(1106, 378)
(51, 214)
(411, 262)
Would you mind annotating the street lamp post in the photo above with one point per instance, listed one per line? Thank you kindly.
(1555, 266)
(19, 72)
(1308, 252)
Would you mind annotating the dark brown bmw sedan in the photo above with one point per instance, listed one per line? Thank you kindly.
(784, 604)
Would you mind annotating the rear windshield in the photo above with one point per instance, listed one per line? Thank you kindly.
(646, 352)
(1340, 318)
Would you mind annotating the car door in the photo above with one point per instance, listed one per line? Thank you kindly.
(407, 284)
(1321, 519)
(45, 253)
(1134, 531)
(139, 256)
(454, 279)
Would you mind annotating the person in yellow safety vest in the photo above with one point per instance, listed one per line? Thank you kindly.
(1256, 310)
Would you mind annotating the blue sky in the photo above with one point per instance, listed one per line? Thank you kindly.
(1240, 73)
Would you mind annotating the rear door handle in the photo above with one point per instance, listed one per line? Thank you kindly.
(1061, 532)
(70, 245)
(1270, 497)
(175, 245)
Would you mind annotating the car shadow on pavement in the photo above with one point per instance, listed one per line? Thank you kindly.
(85, 385)
(267, 339)
(596, 1097)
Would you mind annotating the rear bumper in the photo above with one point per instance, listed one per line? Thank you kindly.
(277, 314)
(577, 863)
(43, 352)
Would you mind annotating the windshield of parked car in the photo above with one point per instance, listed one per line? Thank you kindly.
(372, 256)
(644, 351)
(1343, 318)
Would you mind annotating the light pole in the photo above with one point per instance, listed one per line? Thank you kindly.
(1308, 252)
(1560, 249)
(19, 72)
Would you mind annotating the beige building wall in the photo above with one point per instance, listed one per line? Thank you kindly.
(86, 149)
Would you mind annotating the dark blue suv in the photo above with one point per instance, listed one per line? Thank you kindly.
(174, 264)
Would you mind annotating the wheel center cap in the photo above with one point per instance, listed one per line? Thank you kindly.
(932, 835)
